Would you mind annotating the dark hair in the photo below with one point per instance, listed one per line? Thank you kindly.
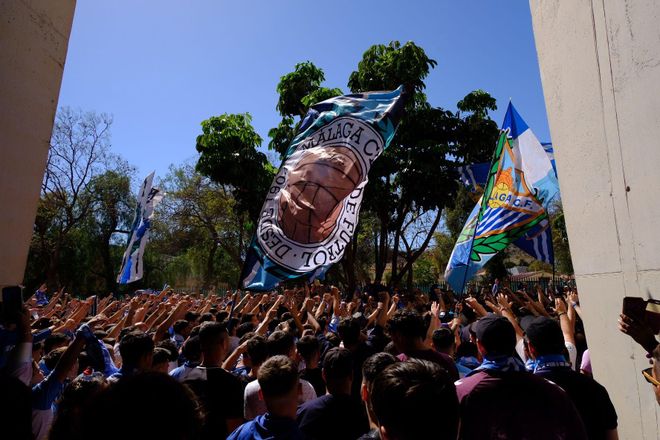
(415, 399)
(54, 340)
(134, 346)
(408, 324)
(244, 328)
(170, 346)
(145, 396)
(280, 343)
(231, 324)
(375, 364)
(338, 364)
(206, 317)
(222, 315)
(247, 317)
(191, 316)
(443, 339)
(53, 357)
(161, 356)
(211, 333)
(349, 330)
(308, 346)
(180, 325)
(257, 350)
(277, 376)
(467, 349)
(191, 349)
(75, 397)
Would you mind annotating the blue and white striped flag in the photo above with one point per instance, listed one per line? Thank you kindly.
(132, 265)
(520, 186)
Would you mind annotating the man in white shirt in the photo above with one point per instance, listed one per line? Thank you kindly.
(279, 343)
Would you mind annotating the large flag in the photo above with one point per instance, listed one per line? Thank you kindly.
(311, 209)
(520, 187)
(132, 264)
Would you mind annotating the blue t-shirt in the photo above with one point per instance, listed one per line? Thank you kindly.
(267, 427)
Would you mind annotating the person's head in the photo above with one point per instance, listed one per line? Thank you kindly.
(544, 337)
(495, 336)
(144, 400)
(338, 370)
(443, 341)
(370, 369)
(160, 361)
(256, 351)
(191, 349)
(222, 315)
(415, 399)
(280, 342)
(55, 340)
(349, 331)
(79, 393)
(192, 317)
(244, 328)
(214, 342)
(15, 408)
(406, 328)
(182, 327)
(136, 349)
(309, 350)
(52, 358)
(279, 385)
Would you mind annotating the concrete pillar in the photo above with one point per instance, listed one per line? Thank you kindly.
(34, 36)
(600, 68)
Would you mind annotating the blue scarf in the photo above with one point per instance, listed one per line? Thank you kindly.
(499, 363)
(550, 361)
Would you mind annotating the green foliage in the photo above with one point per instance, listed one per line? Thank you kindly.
(229, 156)
(319, 95)
(386, 67)
(294, 86)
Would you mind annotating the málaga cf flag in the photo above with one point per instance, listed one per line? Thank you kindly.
(132, 264)
(311, 209)
(520, 186)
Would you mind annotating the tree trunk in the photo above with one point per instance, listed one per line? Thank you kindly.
(210, 263)
(410, 260)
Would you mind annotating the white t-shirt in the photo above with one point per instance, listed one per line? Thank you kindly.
(254, 406)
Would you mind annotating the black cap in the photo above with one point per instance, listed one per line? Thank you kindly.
(545, 335)
(497, 335)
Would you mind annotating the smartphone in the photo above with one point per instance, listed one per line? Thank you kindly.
(95, 306)
(12, 303)
(646, 311)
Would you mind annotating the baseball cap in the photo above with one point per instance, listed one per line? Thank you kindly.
(496, 334)
(545, 335)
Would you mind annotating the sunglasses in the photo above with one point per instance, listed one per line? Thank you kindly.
(648, 375)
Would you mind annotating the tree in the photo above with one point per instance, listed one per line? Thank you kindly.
(199, 207)
(298, 91)
(415, 179)
(229, 156)
(112, 212)
(79, 151)
(563, 262)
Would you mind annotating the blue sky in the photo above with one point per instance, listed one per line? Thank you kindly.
(161, 67)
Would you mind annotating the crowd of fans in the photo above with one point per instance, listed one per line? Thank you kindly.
(309, 363)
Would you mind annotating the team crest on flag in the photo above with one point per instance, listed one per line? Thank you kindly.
(520, 185)
(311, 209)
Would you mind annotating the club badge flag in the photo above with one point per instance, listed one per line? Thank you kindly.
(311, 209)
(132, 265)
(520, 186)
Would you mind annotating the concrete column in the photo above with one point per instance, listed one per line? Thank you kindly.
(34, 36)
(600, 68)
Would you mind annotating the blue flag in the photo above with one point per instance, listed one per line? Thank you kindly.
(520, 186)
(312, 207)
